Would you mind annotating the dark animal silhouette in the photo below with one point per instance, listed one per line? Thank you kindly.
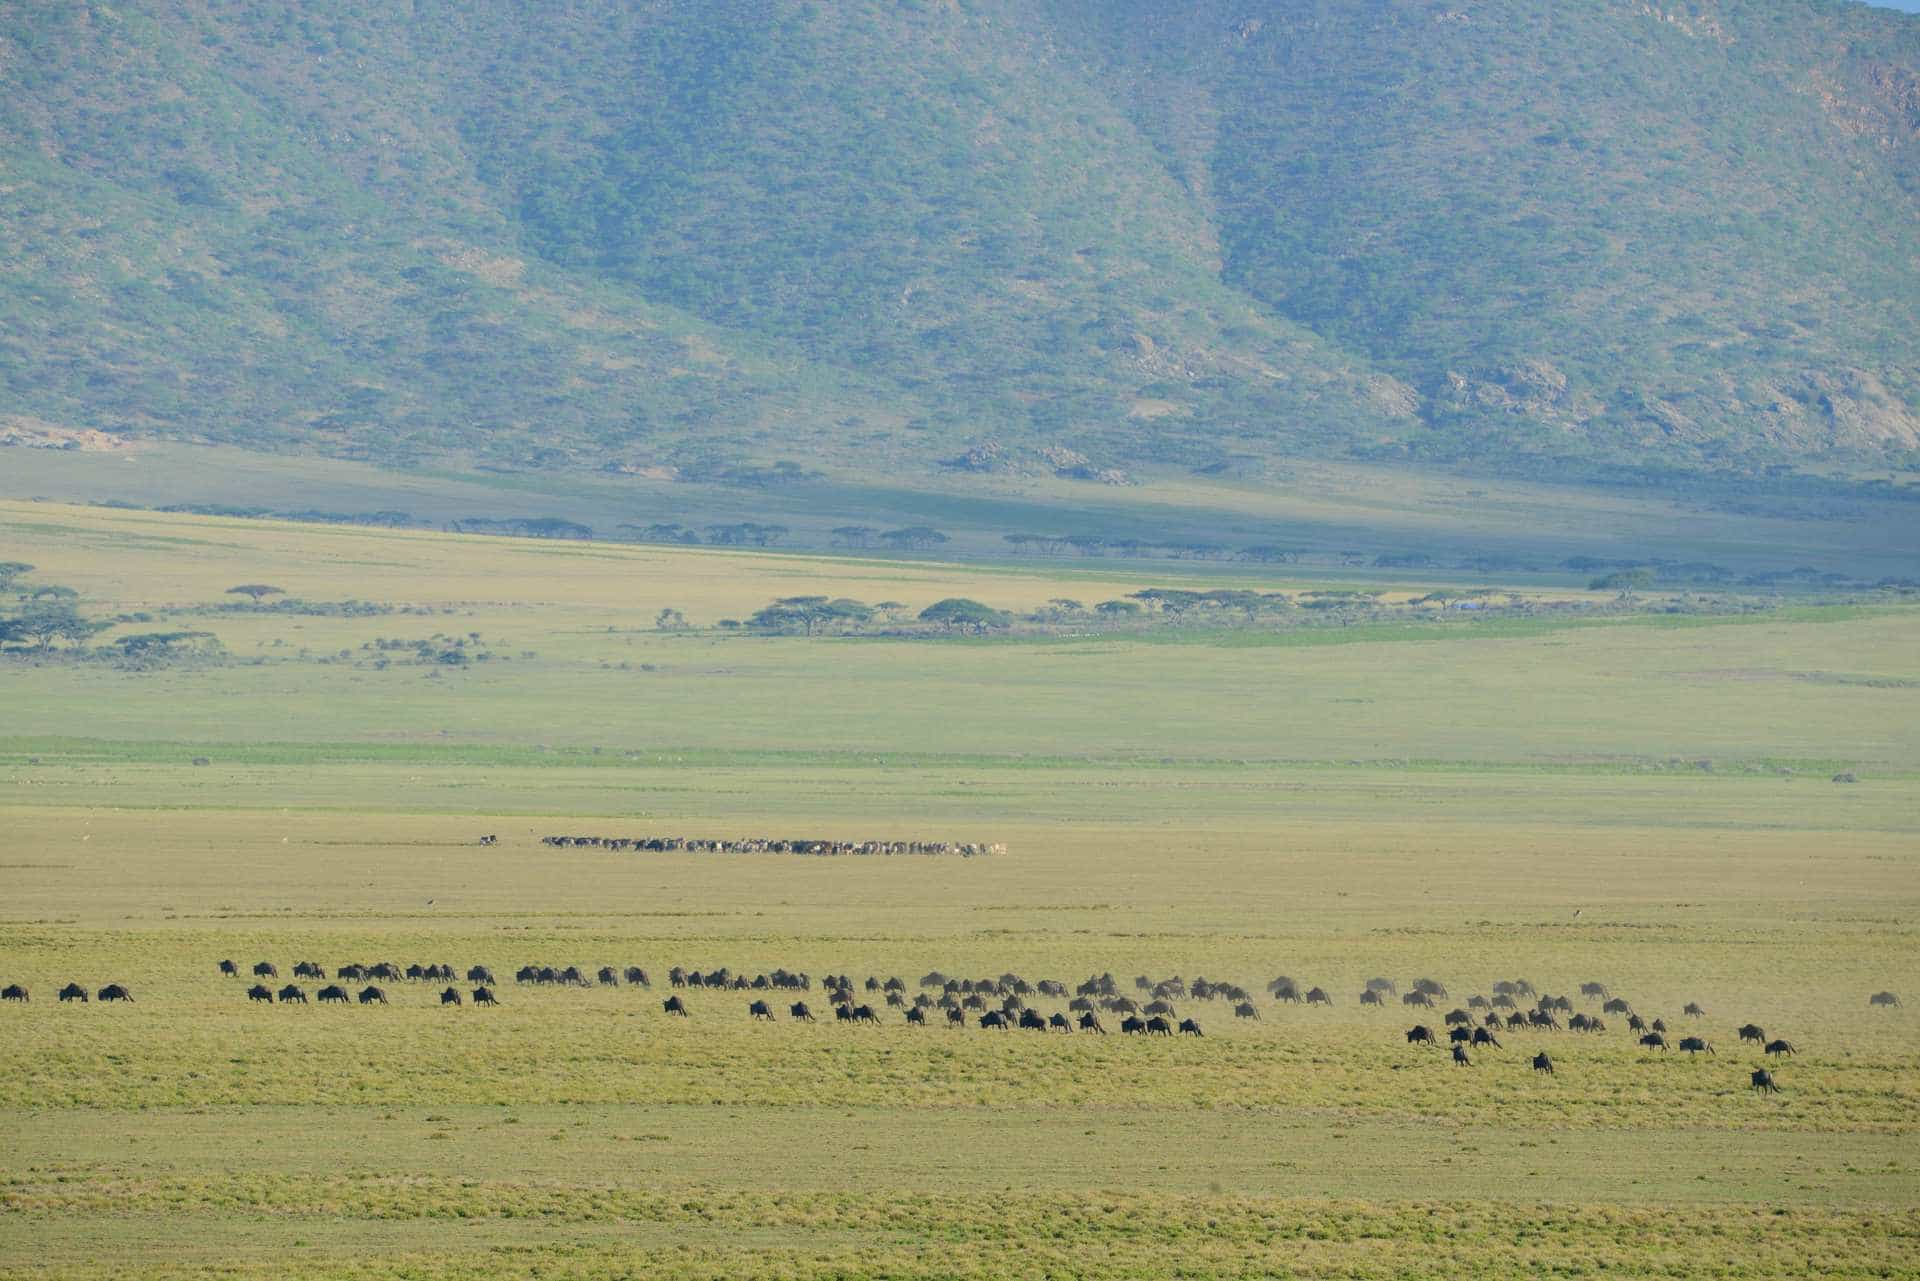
(1090, 1023)
(956, 1016)
(1158, 1025)
(1659, 1025)
(1763, 1081)
(1371, 997)
(1420, 1034)
(1654, 1041)
(484, 996)
(357, 973)
(265, 970)
(1778, 1048)
(1383, 985)
(1598, 991)
(372, 996)
(1032, 1022)
(1245, 1010)
(1190, 1027)
(1418, 998)
(798, 1010)
(674, 1005)
(1696, 1045)
(1133, 1025)
(479, 974)
(1616, 1006)
(1884, 998)
(1459, 1034)
(229, 969)
(308, 970)
(917, 1016)
(1541, 1063)
(1477, 1002)
(1483, 1037)
(1693, 1011)
(333, 994)
(1580, 1023)
(1430, 986)
(1460, 1056)
(14, 992)
(451, 996)
(1517, 1020)
(865, 1014)
(1753, 1032)
(260, 992)
(1318, 996)
(638, 976)
(1057, 1022)
(995, 1019)
(1456, 1018)
(760, 1010)
(608, 977)
(1542, 1019)
(115, 992)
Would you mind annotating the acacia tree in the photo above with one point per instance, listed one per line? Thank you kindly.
(12, 569)
(46, 623)
(809, 614)
(962, 614)
(256, 591)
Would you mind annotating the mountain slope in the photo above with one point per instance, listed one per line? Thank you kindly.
(707, 237)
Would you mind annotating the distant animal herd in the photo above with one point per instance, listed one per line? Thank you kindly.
(763, 845)
(1008, 1002)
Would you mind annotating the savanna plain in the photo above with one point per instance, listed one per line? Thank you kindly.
(1641, 800)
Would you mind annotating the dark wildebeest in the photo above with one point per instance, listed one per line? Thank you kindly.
(1159, 1026)
(1696, 1045)
(357, 973)
(1753, 1032)
(372, 995)
(385, 970)
(1459, 1034)
(1419, 1034)
(1458, 1018)
(917, 1016)
(1504, 1002)
(1659, 1025)
(956, 1016)
(479, 974)
(1887, 999)
(229, 969)
(450, 997)
(1483, 1037)
(1763, 1081)
(1541, 1063)
(265, 970)
(1090, 1023)
(1517, 1020)
(260, 992)
(1190, 1027)
(798, 1010)
(14, 992)
(1493, 1021)
(1133, 1025)
(308, 970)
(291, 993)
(1058, 1022)
(865, 1014)
(1371, 997)
(608, 976)
(1616, 1006)
(1542, 1019)
(484, 996)
(1383, 985)
(1158, 1007)
(527, 974)
(638, 976)
(674, 1005)
(1460, 1056)
(1318, 996)
(1431, 987)
(1418, 998)
(1654, 1041)
(1693, 1011)
(1478, 1002)
(489, 839)
(1777, 1048)
(333, 994)
(1596, 990)
(115, 992)
(760, 1010)
(1031, 1021)
(1245, 1010)
(995, 1019)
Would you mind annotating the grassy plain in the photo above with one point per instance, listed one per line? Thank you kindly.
(1638, 803)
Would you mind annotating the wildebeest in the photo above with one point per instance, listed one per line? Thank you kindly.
(1884, 998)
(1478, 1002)
(917, 1016)
(1483, 1037)
(1318, 996)
(674, 1005)
(1541, 1063)
(1654, 1041)
(1158, 1007)
(332, 994)
(608, 976)
(372, 996)
(1190, 1027)
(1245, 1010)
(1696, 1045)
(1616, 1005)
(357, 973)
(1417, 998)
(291, 994)
(1517, 1020)
(991, 1019)
(1457, 1018)
(451, 996)
(1459, 1034)
(1133, 1025)
(260, 992)
(1058, 1022)
(865, 1014)
(1419, 1034)
(1090, 1023)
(115, 992)
(956, 1016)
(484, 996)
(1580, 1023)
(1431, 987)
(1693, 1011)
(489, 839)
(1753, 1032)
(1031, 1021)
(385, 970)
(265, 970)
(479, 974)
(1763, 1081)
(229, 969)
(1598, 991)
(1541, 1019)
(14, 992)
(1778, 1048)
(636, 975)
(1659, 1025)
(1460, 1056)
(1158, 1025)
(798, 1010)
(1371, 997)
(1383, 985)
(308, 970)
(760, 1010)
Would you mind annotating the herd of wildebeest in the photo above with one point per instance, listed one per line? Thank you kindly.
(1147, 1009)
(764, 845)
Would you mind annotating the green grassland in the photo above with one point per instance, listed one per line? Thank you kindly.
(1630, 801)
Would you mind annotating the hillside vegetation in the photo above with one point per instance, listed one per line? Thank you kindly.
(700, 240)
